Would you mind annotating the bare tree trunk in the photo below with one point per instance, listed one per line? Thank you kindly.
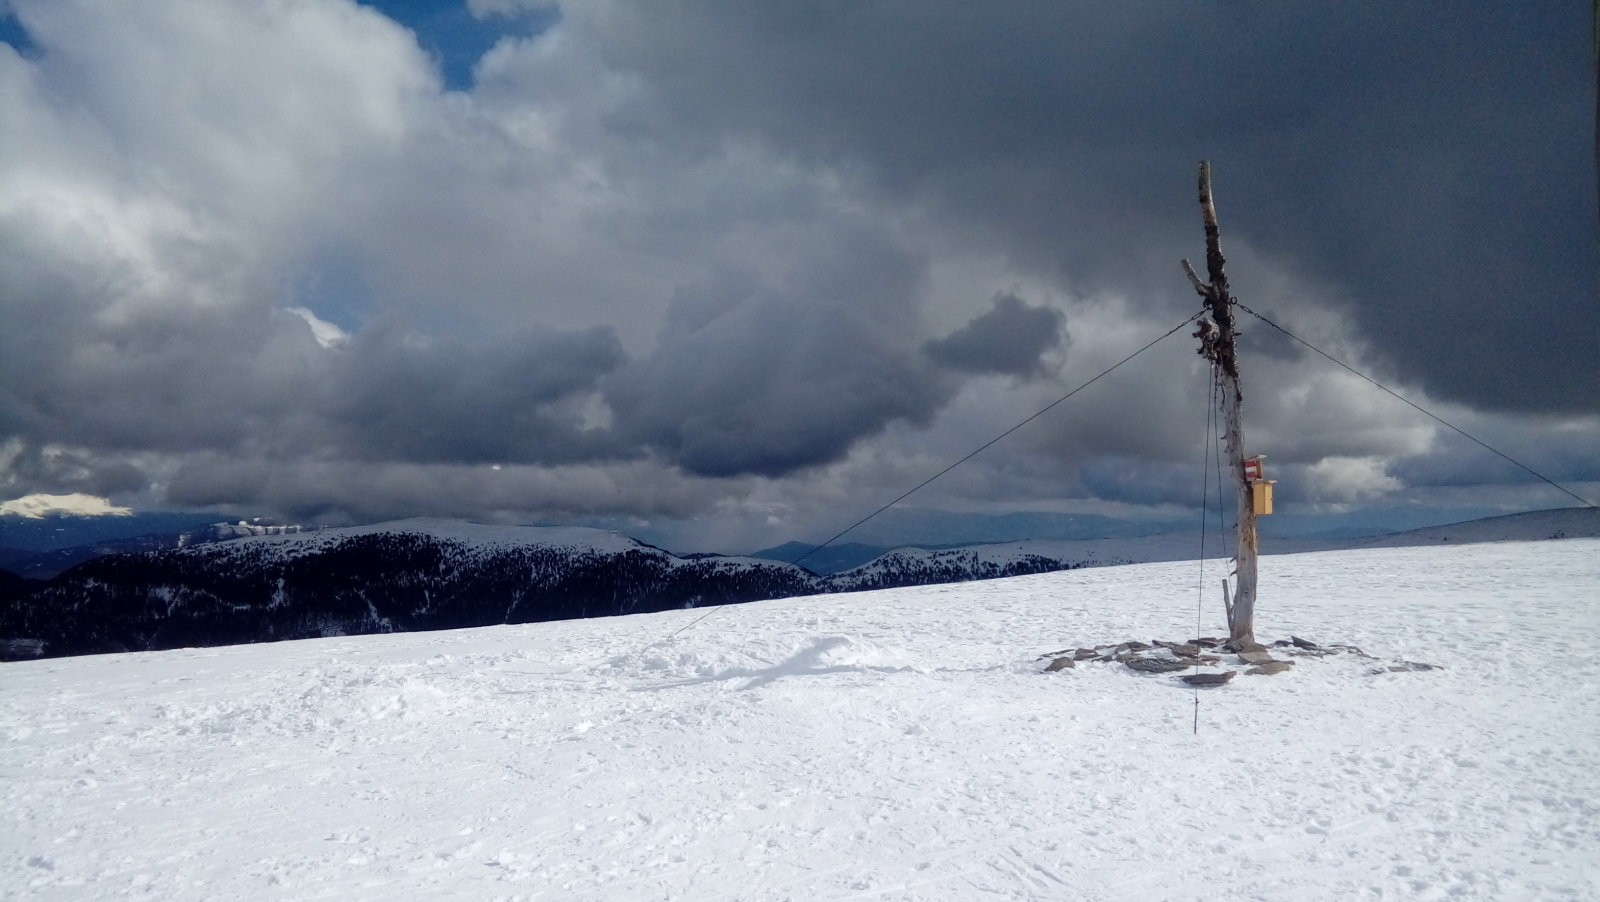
(1217, 338)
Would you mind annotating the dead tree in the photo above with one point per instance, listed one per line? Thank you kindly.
(1217, 335)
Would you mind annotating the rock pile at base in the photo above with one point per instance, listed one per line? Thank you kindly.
(1205, 654)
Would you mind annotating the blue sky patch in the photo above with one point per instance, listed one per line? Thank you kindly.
(455, 38)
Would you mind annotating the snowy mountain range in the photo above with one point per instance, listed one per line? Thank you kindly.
(438, 574)
(390, 577)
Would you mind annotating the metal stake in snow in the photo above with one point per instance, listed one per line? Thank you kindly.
(1217, 345)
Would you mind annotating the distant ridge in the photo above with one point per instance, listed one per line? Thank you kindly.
(406, 576)
(1532, 526)
(49, 563)
(425, 574)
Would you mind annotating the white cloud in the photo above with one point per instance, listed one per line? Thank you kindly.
(1348, 479)
(327, 334)
(41, 505)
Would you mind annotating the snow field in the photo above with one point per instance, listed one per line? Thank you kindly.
(899, 745)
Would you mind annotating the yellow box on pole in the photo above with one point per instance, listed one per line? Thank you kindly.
(1261, 497)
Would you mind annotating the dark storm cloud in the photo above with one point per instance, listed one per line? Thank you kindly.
(94, 369)
(396, 396)
(735, 266)
(753, 378)
(1009, 340)
(32, 468)
(262, 387)
(86, 361)
(1435, 163)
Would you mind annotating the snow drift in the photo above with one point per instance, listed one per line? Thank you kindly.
(898, 745)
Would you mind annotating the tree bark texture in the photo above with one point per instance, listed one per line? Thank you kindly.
(1217, 343)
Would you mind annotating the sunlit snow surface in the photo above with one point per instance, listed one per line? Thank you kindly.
(887, 745)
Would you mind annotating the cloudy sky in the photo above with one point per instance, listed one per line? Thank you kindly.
(727, 274)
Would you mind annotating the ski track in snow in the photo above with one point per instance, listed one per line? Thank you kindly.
(893, 745)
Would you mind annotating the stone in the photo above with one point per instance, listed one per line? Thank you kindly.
(1270, 669)
(1208, 679)
(1303, 643)
(1243, 645)
(1064, 662)
(1156, 665)
(1136, 646)
(1256, 657)
(1183, 649)
(1207, 642)
(1052, 654)
(1084, 654)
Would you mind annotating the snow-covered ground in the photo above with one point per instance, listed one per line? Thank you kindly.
(887, 745)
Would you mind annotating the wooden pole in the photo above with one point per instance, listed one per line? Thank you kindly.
(1217, 336)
